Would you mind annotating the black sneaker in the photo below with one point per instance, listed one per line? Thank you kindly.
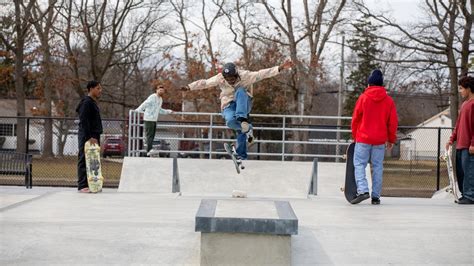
(250, 136)
(464, 200)
(360, 197)
(375, 201)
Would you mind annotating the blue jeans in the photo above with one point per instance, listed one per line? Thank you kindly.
(236, 110)
(362, 153)
(465, 172)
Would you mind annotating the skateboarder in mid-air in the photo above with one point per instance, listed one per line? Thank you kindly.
(374, 126)
(236, 100)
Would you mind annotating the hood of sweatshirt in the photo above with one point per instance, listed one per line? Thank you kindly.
(83, 100)
(376, 93)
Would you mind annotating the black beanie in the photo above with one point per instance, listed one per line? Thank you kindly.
(375, 78)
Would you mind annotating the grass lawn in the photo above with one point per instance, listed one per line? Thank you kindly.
(63, 172)
(401, 178)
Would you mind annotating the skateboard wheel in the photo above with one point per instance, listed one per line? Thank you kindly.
(242, 167)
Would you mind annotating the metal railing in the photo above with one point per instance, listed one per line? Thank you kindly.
(213, 122)
(412, 168)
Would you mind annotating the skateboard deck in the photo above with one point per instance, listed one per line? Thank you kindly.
(230, 150)
(350, 186)
(95, 179)
(453, 182)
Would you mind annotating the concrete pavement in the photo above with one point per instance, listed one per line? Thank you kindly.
(60, 226)
(66, 227)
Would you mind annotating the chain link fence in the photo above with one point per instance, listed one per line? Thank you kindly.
(412, 168)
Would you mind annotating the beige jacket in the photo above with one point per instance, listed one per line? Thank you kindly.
(247, 78)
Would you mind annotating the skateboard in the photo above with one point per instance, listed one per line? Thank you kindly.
(350, 186)
(94, 174)
(453, 182)
(230, 149)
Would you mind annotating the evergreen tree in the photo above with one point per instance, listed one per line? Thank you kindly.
(364, 46)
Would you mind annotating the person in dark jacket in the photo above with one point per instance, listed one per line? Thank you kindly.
(90, 128)
(374, 127)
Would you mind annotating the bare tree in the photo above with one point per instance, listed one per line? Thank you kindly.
(303, 83)
(207, 27)
(43, 23)
(179, 8)
(22, 25)
(444, 40)
(106, 32)
(241, 23)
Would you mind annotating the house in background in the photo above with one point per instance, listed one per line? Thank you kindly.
(422, 143)
(8, 126)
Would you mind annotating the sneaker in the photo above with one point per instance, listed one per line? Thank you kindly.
(245, 126)
(375, 201)
(250, 136)
(84, 190)
(360, 197)
(464, 200)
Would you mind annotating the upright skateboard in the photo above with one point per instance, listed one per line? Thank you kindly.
(350, 186)
(453, 182)
(94, 174)
(230, 149)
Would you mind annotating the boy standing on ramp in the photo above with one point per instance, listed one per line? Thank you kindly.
(236, 100)
(374, 127)
(463, 135)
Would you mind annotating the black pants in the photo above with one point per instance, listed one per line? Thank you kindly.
(81, 162)
(150, 130)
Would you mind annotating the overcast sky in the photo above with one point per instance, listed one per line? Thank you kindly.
(403, 10)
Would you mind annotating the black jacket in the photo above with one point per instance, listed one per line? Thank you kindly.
(90, 123)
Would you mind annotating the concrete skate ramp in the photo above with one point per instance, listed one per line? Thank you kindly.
(331, 178)
(141, 174)
(273, 179)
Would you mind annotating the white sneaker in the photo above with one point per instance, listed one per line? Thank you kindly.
(245, 126)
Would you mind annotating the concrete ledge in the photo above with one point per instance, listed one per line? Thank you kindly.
(246, 216)
(245, 249)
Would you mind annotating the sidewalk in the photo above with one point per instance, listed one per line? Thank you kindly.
(60, 226)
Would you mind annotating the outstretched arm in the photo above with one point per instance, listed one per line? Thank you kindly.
(204, 83)
(250, 77)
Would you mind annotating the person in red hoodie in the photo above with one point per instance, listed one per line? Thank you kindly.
(463, 134)
(374, 127)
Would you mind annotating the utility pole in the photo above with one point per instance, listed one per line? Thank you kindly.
(339, 98)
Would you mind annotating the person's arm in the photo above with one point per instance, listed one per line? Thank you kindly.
(144, 104)
(392, 125)
(250, 77)
(356, 117)
(205, 83)
(471, 119)
(84, 118)
(454, 135)
(165, 111)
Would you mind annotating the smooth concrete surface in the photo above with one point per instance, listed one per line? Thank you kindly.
(67, 227)
(246, 209)
(246, 216)
(331, 177)
(259, 179)
(146, 174)
(245, 249)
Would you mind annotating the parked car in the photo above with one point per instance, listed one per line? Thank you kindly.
(163, 145)
(113, 146)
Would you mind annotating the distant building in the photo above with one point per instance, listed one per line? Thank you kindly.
(422, 143)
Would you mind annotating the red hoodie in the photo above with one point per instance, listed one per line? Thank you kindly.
(374, 120)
